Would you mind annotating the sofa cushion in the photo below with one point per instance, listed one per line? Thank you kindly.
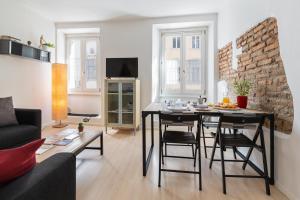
(7, 112)
(13, 136)
(16, 162)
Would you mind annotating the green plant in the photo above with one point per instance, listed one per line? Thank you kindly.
(242, 87)
(50, 45)
(80, 125)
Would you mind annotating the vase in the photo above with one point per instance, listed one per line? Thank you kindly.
(80, 129)
(242, 101)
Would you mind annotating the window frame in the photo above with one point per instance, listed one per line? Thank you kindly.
(203, 45)
(83, 82)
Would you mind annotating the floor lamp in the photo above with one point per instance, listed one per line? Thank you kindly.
(59, 94)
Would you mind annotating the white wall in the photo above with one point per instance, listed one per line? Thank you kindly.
(28, 81)
(133, 38)
(84, 104)
(237, 17)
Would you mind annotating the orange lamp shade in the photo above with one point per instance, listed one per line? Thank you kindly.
(59, 92)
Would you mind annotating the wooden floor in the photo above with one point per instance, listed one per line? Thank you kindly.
(118, 175)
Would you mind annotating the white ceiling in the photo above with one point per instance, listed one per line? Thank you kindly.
(99, 10)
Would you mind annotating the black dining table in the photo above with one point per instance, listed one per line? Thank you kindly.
(155, 108)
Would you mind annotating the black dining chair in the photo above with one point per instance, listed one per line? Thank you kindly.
(178, 137)
(168, 123)
(209, 123)
(238, 122)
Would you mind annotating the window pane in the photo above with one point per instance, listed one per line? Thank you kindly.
(192, 63)
(171, 65)
(178, 42)
(74, 64)
(91, 64)
(174, 42)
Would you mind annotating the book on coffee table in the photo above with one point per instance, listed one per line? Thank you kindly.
(43, 149)
(50, 140)
(63, 142)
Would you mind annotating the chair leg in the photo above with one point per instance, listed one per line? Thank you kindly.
(193, 152)
(250, 150)
(213, 150)
(234, 152)
(204, 142)
(166, 152)
(266, 176)
(159, 163)
(195, 156)
(223, 169)
(199, 161)
(162, 152)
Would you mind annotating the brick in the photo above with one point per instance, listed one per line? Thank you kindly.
(271, 46)
(251, 66)
(260, 57)
(273, 53)
(264, 62)
(259, 46)
(258, 28)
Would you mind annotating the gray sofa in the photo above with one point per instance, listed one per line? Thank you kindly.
(52, 179)
(28, 129)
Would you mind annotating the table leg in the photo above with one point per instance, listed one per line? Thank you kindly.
(146, 158)
(152, 130)
(101, 144)
(272, 144)
(144, 143)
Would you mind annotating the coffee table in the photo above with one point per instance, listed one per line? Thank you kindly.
(77, 145)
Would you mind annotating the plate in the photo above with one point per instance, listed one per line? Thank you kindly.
(176, 109)
(221, 108)
(201, 106)
(203, 109)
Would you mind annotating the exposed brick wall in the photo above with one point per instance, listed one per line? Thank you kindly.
(261, 63)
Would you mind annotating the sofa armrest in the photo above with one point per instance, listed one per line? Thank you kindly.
(54, 178)
(29, 116)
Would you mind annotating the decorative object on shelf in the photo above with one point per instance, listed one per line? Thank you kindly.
(7, 37)
(242, 89)
(45, 45)
(29, 42)
(59, 94)
(80, 127)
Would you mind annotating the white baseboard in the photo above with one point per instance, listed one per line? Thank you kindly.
(285, 191)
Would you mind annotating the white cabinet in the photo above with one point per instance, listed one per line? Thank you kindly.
(122, 103)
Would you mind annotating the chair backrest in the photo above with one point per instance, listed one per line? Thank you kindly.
(179, 117)
(241, 120)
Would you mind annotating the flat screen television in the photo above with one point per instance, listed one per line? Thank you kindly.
(122, 67)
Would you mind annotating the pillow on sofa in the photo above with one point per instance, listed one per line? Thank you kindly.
(7, 112)
(18, 161)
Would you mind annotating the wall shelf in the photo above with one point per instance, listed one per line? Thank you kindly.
(10, 47)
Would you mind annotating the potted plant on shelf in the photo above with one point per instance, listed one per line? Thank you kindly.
(242, 89)
(45, 45)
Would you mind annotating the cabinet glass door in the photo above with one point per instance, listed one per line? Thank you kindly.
(113, 103)
(127, 103)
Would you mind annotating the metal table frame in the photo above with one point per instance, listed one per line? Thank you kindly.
(147, 157)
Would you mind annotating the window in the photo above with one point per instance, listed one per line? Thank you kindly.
(83, 65)
(195, 42)
(176, 42)
(182, 68)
